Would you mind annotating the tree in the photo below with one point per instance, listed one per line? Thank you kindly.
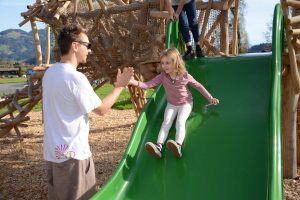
(268, 33)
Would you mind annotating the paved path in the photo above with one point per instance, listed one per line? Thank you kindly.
(11, 87)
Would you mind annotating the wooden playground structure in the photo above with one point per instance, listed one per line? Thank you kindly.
(124, 34)
(127, 33)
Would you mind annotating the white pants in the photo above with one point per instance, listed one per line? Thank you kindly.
(182, 112)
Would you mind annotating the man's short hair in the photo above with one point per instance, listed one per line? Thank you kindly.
(67, 35)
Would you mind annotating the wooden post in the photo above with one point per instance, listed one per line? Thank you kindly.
(206, 17)
(289, 117)
(37, 43)
(101, 4)
(75, 4)
(161, 5)
(224, 32)
(235, 27)
(48, 45)
(298, 134)
(296, 14)
(90, 5)
(290, 90)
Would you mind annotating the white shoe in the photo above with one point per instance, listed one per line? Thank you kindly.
(153, 149)
(175, 148)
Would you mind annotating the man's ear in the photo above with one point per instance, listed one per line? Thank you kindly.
(74, 46)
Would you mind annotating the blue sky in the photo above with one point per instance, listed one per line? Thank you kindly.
(258, 15)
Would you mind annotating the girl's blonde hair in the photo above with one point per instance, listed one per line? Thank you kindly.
(176, 58)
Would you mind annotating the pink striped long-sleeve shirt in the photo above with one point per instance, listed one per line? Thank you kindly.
(177, 93)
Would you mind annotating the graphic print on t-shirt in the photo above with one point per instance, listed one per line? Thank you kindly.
(62, 153)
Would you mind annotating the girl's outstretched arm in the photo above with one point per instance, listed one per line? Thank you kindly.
(149, 84)
(199, 87)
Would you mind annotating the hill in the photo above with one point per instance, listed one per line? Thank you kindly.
(18, 45)
(263, 47)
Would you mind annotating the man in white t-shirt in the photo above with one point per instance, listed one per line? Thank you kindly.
(67, 99)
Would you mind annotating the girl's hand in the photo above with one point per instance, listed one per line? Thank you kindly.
(214, 101)
(132, 81)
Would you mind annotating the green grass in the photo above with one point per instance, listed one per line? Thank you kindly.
(13, 35)
(13, 80)
(123, 102)
(5, 48)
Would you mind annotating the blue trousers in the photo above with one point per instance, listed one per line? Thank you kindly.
(188, 20)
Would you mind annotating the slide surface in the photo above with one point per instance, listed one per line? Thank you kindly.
(231, 152)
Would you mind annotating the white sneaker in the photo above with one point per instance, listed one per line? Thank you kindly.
(153, 149)
(175, 148)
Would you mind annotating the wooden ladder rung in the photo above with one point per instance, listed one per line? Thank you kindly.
(294, 31)
(296, 42)
(293, 3)
(294, 20)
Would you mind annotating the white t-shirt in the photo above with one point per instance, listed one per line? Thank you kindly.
(68, 97)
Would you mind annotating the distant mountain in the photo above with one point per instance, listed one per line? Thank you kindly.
(263, 47)
(18, 45)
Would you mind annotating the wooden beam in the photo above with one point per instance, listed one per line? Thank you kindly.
(235, 28)
(224, 32)
(75, 8)
(293, 3)
(206, 17)
(210, 47)
(159, 14)
(161, 5)
(293, 20)
(90, 5)
(294, 68)
(215, 5)
(227, 4)
(37, 43)
(200, 17)
(29, 17)
(290, 97)
(101, 4)
(48, 45)
(14, 122)
(294, 31)
(15, 103)
(61, 9)
(213, 27)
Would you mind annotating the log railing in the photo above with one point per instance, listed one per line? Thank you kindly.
(207, 39)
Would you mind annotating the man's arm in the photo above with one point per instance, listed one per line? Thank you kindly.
(109, 100)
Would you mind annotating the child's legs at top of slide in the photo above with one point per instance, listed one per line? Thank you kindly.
(190, 10)
(184, 112)
(170, 114)
(184, 25)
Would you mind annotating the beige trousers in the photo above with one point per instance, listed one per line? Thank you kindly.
(71, 180)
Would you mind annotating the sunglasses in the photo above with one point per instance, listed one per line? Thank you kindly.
(86, 44)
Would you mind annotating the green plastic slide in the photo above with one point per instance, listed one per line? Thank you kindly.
(231, 152)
